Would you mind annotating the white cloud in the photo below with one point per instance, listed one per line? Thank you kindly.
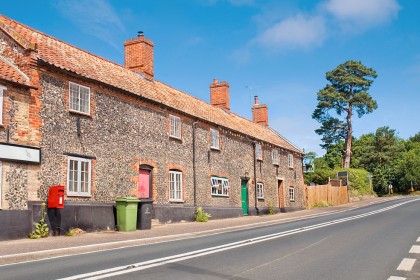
(299, 32)
(361, 14)
(95, 17)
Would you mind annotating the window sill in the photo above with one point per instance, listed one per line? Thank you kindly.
(79, 195)
(80, 113)
(176, 201)
(215, 149)
(219, 195)
(175, 138)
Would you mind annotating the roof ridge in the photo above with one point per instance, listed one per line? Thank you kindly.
(285, 139)
(15, 35)
(6, 26)
(106, 71)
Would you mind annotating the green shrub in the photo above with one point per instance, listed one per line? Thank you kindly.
(201, 216)
(320, 204)
(41, 228)
(271, 209)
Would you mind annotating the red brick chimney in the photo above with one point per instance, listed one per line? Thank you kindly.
(219, 94)
(138, 55)
(259, 113)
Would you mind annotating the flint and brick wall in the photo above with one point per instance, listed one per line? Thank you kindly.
(124, 132)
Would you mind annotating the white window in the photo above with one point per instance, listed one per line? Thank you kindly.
(1, 180)
(214, 141)
(79, 98)
(78, 176)
(258, 152)
(175, 185)
(219, 186)
(291, 193)
(290, 160)
(175, 126)
(2, 88)
(260, 190)
(275, 156)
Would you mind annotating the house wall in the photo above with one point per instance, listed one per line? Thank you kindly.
(124, 132)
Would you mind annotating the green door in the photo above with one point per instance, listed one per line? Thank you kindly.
(244, 197)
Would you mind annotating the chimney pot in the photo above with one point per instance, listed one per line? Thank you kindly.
(140, 34)
(256, 99)
(215, 81)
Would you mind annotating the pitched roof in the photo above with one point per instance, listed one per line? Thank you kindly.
(83, 63)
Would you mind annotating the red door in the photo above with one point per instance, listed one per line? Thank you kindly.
(144, 184)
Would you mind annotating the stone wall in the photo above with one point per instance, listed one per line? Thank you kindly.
(123, 132)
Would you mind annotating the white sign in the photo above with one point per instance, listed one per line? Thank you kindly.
(20, 153)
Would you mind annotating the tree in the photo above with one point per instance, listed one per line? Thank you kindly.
(378, 153)
(346, 93)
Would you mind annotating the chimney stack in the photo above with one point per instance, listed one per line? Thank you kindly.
(219, 94)
(259, 113)
(138, 55)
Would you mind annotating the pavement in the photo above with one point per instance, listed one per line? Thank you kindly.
(21, 250)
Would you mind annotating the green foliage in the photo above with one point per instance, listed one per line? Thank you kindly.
(201, 216)
(271, 209)
(347, 93)
(41, 228)
(379, 153)
(320, 204)
(408, 168)
(359, 181)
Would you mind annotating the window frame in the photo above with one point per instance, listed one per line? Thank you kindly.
(1, 184)
(78, 180)
(290, 160)
(291, 193)
(175, 186)
(275, 156)
(219, 183)
(174, 126)
(2, 89)
(258, 151)
(260, 190)
(79, 99)
(214, 139)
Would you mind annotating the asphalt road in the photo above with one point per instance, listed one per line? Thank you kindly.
(366, 243)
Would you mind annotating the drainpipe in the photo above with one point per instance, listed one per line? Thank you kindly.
(255, 177)
(194, 126)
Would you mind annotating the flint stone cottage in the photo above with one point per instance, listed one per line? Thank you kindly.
(102, 130)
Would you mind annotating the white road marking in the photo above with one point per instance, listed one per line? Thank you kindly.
(115, 271)
(406, 264)
(415, 249)
(396, 278)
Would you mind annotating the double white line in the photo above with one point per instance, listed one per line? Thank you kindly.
(116, 271)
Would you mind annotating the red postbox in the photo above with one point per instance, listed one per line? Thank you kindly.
(56, 197)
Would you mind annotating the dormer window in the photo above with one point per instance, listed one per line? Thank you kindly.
(79, 100)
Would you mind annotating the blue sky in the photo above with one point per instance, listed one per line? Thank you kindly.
(278, 50)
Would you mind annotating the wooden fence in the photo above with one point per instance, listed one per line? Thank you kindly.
(333, 193)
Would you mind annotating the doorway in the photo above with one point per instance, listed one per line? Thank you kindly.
(144, 189)
(244, 196)
(281, 195)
